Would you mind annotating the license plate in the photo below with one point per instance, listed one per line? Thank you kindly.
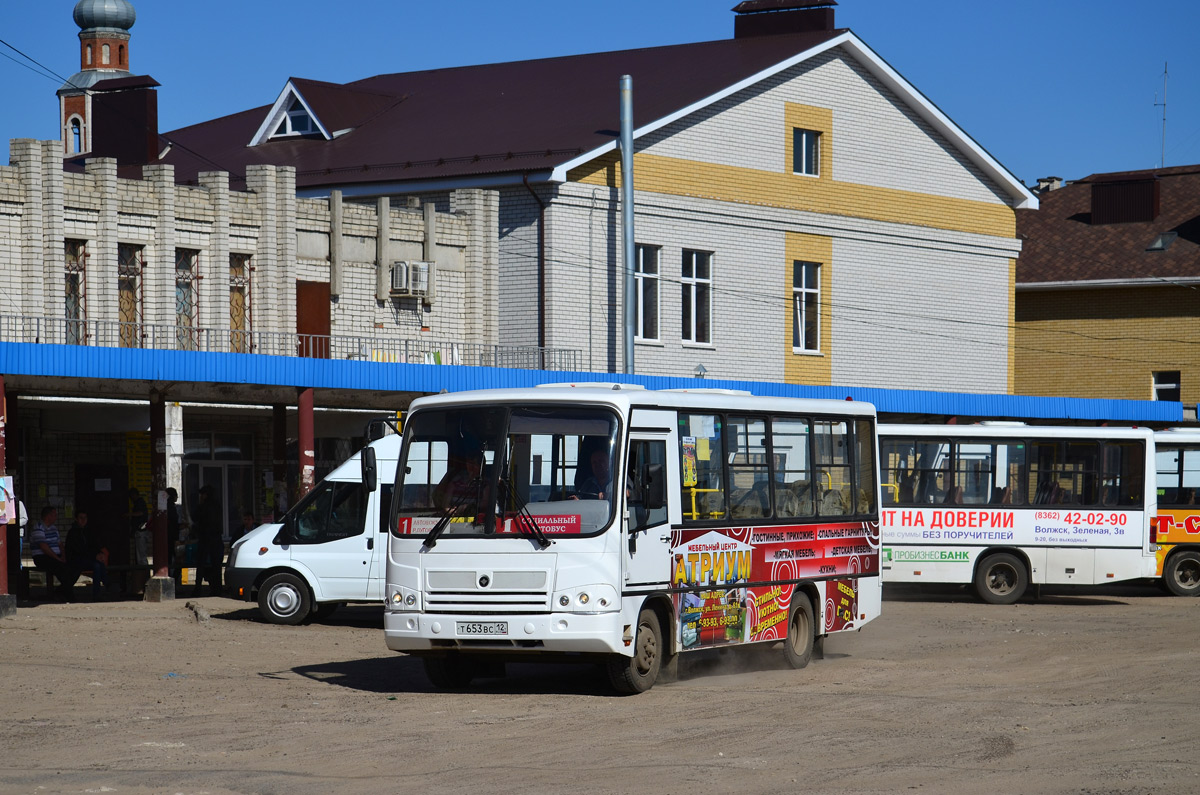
(482, 627)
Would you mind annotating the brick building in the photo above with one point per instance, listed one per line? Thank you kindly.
(803, 213)
(1107, 288)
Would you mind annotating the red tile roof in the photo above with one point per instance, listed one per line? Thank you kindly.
(477, 120)
(1060, 244)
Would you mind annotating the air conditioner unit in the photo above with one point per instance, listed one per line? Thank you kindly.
(400, 279)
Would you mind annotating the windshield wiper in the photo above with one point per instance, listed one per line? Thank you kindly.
(450, 512)
(524, 521)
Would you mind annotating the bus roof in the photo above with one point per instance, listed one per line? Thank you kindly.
(1014, 431)
(624, 399)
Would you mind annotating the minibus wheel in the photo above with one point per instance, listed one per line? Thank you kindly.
(798, 645)
(284, 599)
(1182, 573)
(1001, 579)
(637, 674)
(449, 672)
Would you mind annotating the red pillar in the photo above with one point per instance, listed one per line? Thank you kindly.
(306, 441)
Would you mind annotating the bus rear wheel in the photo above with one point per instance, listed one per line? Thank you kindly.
(451, 672)
(637, 674)
(798, 645)
(1182, 573)
(1001, 579)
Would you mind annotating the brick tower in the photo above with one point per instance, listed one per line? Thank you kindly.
(103, 55)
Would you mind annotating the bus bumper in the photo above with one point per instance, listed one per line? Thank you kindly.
(550, 632)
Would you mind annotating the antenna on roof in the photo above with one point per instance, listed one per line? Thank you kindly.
(1162, 158)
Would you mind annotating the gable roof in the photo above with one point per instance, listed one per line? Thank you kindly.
(492, 124)
(1061, 247)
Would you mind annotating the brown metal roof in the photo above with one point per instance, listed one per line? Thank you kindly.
(513, 117)
(1061, 244)
(754, 6)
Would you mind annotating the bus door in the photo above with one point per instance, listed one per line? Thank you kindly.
(647, 528)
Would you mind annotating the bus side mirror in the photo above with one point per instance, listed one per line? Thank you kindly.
(654, 487)
(367, 459)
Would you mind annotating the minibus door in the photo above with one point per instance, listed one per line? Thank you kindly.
(647, 527)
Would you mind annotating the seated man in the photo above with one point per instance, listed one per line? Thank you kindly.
(596, 485)
(48, 553)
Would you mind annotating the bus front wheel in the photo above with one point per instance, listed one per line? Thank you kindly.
(1182, 573)
(798, 646)
(451, 672)
(637, 674)
(1001, 579)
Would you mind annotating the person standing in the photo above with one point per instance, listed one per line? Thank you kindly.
(48, 553)
(210, 544)
(86, 552)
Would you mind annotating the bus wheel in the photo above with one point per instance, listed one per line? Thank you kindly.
(1001, 579)
(451, 672)
(798, 646)
(637, 674)
(1182, 573)
(284, 599)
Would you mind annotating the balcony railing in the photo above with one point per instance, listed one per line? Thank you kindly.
(113, 334)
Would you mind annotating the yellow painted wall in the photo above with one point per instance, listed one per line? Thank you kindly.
(1107, 343)
(808, 368)
(677, 177)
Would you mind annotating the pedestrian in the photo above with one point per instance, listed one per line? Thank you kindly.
(210, 543)
(139, 515)
(86, 552)
(48, 553)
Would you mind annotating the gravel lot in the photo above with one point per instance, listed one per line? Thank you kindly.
(1077, 692)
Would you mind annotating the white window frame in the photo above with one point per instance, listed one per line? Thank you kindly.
(645, 283)
(693, 287)
(802, 294)
(1167, 382)
(802, 163)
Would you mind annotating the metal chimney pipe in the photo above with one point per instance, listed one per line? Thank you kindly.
(629, 252)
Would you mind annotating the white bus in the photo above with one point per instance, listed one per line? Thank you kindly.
(1003, 505)
(734, 520)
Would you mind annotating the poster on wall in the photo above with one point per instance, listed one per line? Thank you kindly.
(8, 501)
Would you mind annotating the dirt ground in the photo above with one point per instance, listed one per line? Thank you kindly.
(1078, 692)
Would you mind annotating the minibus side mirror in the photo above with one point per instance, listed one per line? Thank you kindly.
(367, 458)
(654, 487)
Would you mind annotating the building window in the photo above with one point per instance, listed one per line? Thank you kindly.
(74, 265)
(806, 152)
(130, 267)
(296, 121)
(187, 265)
(104, 54)
(88, 55)
(646, 285)
(697, 296)
(239, 303)
(1167, 386)
(76, 137)
(120, 54)
(806, 304)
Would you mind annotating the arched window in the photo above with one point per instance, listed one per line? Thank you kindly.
(104, 54)
(120, 55)
(76, 137)
(88, 54)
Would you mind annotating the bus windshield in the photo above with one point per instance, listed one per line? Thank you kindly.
(491, 470)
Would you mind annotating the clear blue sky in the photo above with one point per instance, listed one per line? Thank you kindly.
(1062, 87)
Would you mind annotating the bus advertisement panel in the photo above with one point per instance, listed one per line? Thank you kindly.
(1177, 526)
(1002, 506)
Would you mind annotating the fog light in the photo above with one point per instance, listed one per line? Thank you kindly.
(410, 600)
(583, 599)
(564, 600)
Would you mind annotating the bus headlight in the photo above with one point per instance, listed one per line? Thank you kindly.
(402, 599)
(587, 599)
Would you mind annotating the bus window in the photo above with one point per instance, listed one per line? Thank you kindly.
(701, 458)
(1122, 479)
(749, 474)
(793, 467)
(831, 460)
(864, 458)
(643, 454)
